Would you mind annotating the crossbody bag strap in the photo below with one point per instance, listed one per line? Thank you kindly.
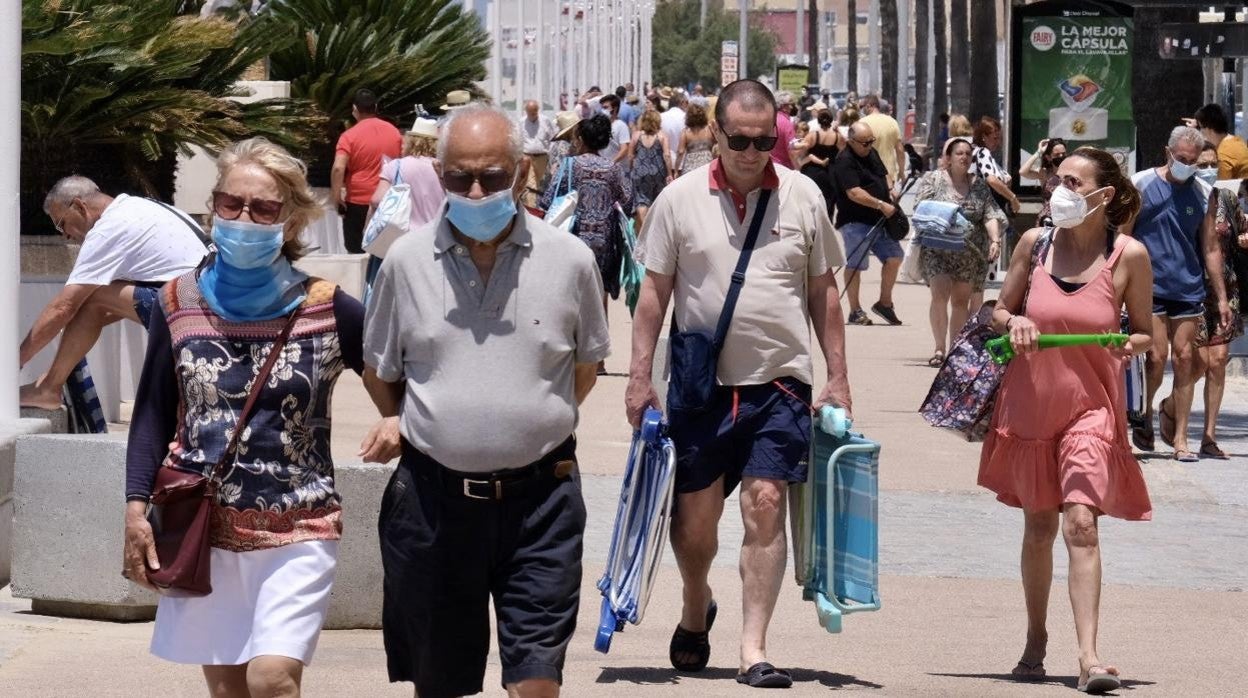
(256, 386)
(1039, 251)
(738, 275)
(199, 232)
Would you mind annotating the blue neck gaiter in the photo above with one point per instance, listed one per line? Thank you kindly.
(267, 288)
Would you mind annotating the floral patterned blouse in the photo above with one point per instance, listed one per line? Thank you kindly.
(196, 377)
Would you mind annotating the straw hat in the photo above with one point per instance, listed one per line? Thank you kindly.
(456, 99)
(665, 92)
(424, 127)
(564, 121)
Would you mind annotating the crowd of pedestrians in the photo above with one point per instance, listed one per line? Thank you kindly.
(485, 507)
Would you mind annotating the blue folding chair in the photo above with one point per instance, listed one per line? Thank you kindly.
(836, 515)
(640, 533)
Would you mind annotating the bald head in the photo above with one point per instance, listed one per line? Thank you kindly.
(861, 138)
(479, 129)
(531, 109)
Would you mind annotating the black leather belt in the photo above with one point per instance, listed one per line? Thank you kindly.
(504, 484)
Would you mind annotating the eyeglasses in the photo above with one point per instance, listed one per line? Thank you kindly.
(1206, 165)
(762, 144)
(230, 207)
(57, 224)
(866, 144)
(494, 179)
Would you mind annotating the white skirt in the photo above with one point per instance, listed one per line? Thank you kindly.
(263, 602)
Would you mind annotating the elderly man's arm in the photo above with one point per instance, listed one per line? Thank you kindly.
(823, 303)
(861, 197)
(382, 443)
(656, 291)
(55, 316)
(584, 378)
(337, 176)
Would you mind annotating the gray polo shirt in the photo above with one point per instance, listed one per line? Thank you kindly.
(488, 368)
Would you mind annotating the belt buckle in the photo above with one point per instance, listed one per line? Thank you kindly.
(498, 488)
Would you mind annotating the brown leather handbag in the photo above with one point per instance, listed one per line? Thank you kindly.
(182, 504)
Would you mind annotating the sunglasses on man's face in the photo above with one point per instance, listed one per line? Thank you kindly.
(866, 144)
(762, 144)
(230, 207)
(494, 179)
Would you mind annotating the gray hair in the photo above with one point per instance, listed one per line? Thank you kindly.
(1181, 134)
(69, 188)
(476, 110)
(784, 97)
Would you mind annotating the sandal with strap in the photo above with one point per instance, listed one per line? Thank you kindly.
(1101, 679)
(1029, 671)
(1166, 422)
(1209, 449)
(687, 642)
(764, 675)
(937, 360)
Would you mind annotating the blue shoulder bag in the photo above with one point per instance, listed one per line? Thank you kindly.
(695, 353)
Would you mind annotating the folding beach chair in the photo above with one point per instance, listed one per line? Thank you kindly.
(836, 515)
(640, 533)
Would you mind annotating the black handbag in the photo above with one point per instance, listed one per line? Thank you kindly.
(897, 226)
(695, 353)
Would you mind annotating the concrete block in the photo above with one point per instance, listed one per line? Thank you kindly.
(58, 419)
(69, 528)
(9, 433)
(346, 270)
(356, 598)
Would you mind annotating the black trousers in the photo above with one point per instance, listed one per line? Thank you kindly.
(445, 555)
(353, 227)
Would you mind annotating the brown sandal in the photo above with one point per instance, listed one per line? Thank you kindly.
(1166, 422)
(1209, 449)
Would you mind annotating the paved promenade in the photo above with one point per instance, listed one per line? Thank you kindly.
(1174, 611)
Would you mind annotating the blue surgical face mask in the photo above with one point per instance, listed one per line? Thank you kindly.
(244, 245)
(1208, 174)
(1181, 170)
(481, 219)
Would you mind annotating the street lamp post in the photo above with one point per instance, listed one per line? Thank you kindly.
(743, 40)
(496, 59)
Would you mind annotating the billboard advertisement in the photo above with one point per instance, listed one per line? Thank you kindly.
(1074, 77)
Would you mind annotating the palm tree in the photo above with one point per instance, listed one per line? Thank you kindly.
(922, 25)
(114, 91)
(983, 78)
(851, 45)
(940, 75)
(408, 52)
(888, 62)
(960, 56)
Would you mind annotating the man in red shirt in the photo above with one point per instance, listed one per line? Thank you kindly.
(357, 164)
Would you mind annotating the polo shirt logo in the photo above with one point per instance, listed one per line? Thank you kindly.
(1190, 210)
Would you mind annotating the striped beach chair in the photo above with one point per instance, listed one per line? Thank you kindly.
(836, 544)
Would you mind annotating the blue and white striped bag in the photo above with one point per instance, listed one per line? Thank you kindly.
(940, 225)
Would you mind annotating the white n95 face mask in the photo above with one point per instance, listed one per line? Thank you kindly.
(1068, 208)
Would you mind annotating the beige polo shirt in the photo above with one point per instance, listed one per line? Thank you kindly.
(695, 230)
(887, 133)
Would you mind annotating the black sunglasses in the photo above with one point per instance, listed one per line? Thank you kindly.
(495, 179)
(762, 144)
(230, 207)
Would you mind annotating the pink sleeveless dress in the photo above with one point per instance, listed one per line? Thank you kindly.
(1059, 431)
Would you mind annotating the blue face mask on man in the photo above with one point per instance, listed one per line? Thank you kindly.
(481, 219)
(250, 279)
(1208, 174)
(1181, 170)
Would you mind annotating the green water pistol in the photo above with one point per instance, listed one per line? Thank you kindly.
(1001, 351)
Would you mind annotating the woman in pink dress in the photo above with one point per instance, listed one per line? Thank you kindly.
(1058, 445)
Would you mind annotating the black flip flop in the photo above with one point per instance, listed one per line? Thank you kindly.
(764, 675)
(686, 642)
(1166, 434)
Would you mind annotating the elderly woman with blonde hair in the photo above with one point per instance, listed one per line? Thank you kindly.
(275, 518)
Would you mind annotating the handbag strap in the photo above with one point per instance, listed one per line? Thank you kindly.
(738, 275)
(257, 385)
(1039, 251)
